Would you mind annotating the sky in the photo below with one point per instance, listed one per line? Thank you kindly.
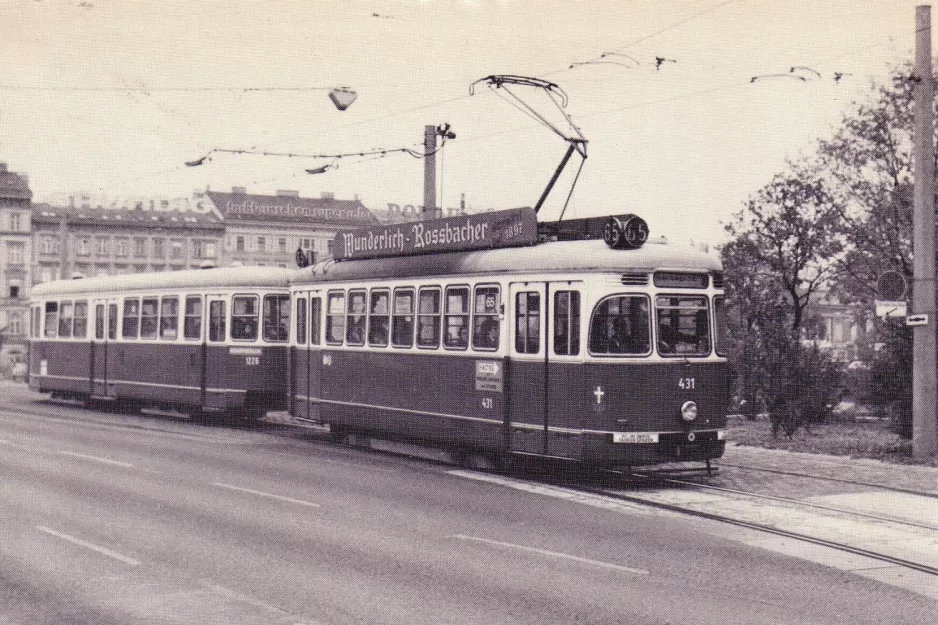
(113, 97)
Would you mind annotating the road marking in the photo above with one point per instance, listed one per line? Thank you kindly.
(116, 463)
(552, 554)
(269, 495)
(84, 543)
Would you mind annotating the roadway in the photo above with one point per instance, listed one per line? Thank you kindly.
(109, 518)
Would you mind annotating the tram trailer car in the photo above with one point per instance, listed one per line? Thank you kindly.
(564, 349)
(207, 341)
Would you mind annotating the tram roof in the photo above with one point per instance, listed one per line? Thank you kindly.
(188, 278)
(589, 256)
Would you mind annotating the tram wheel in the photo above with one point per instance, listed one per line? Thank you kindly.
(338, 433)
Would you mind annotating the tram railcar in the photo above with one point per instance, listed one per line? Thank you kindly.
(206, 341)
(565, 348)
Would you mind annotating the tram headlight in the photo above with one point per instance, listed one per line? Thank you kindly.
(689, 411)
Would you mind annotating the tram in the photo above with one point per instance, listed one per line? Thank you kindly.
(206, 341)
(495, 335)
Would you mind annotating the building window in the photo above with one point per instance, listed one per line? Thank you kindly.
(121, 247)
(15, 221)
(83, 247)
(159, 250)
(139, 247)
(282, 245)
(15, 323)
(102, 247)
(176, 248)
(239, 244)
(261, 244)
(48, 245)
(14, 291)
(15, 252)
(204, 249)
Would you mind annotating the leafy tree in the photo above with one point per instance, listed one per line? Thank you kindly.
(780, 255)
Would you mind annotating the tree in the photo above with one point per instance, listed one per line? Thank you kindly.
(783, 243)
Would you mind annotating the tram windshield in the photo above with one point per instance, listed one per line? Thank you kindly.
(683, 325)
(620, 326)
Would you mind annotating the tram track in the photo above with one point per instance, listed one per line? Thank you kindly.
(797, 502)
(764, 528)
(824, 478)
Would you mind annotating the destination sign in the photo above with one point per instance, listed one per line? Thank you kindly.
(506, 228)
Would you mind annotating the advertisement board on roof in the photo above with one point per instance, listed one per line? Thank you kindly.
(508, 228)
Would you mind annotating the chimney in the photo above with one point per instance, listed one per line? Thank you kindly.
(287, 193)
(239, 190)
(328, 195)
(3, 168)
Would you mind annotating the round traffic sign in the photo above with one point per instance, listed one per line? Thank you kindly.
(891, 286)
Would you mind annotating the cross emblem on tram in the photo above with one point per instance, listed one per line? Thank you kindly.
(599, 393)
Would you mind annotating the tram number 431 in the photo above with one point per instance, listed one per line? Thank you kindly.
(687, 384)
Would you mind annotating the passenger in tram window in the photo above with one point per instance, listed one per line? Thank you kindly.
(486, 333)
(666, 338)
(356, 324)
(378, 330)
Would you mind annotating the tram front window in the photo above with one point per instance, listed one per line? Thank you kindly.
(683, 325)
(620, 326)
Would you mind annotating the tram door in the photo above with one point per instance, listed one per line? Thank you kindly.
(104, 333)
(544, 368)
(214, 354)
(305, 358)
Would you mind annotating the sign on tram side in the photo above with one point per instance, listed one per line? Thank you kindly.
(507, 228)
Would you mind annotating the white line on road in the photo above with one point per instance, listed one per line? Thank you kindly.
(116, 463)
(269, 495)
(87, 545)
(552, 554)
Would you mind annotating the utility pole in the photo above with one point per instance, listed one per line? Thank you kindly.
(429, 172)
(924, 383)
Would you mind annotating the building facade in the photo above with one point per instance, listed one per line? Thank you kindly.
(78, 241)
(269, 229)
(15, 268)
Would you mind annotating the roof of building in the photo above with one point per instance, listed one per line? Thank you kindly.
(292, 208)
(13, 185)
(124, 217)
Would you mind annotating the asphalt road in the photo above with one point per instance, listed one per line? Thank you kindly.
(118, 519)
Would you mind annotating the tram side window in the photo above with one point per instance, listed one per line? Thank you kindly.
(52, 320)
(402, 323)
(456, 318)
(112, 321)
(620, 325)
(169, 318)
(355, 324)
(192, 325)
(335, 319)
(379, 318)
(149, 318)
(65, 320)
(216, 321)
(683, 325)
(315, 320)
(301, 320)
(486, 308)
(428, 317)
(567, 323)
(276, 318)
(99, 322)
(244, 317)
(722, 329)
(80, 327)
(131, 318)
